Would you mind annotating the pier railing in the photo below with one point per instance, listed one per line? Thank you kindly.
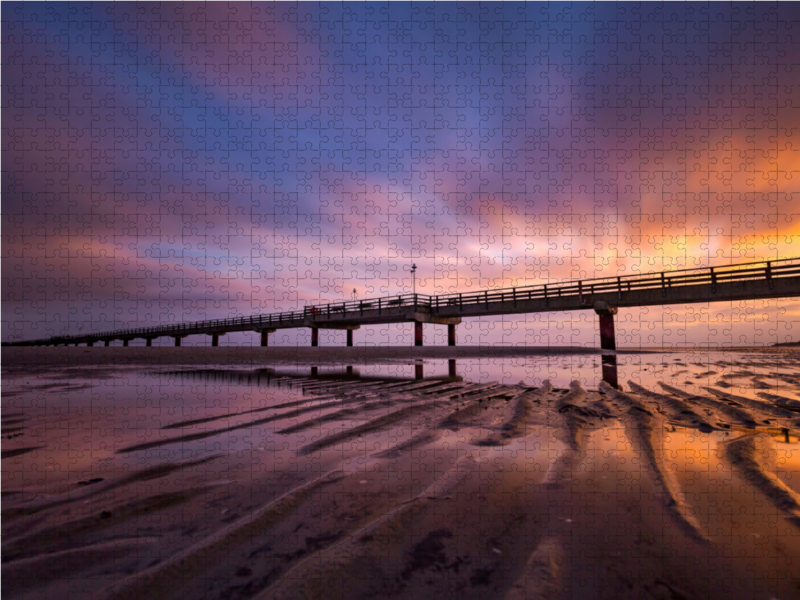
(663, 281)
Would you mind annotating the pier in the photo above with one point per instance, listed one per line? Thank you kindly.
(604, 296)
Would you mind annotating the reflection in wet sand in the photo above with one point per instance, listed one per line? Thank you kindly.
(360, 481)
(610, 371)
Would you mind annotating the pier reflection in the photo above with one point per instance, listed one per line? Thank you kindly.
(610, 375)
(375, 373)
(269, 377)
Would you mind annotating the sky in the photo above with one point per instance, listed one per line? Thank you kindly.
(169, 162)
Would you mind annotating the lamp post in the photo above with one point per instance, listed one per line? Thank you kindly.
(414, 278)
(355, 294)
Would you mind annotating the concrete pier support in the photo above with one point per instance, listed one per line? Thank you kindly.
(451, 335)
(608, 342)
(314, 337)
(89, 344)
(148, 342)
(125, 342)
(178, 339)
(417, 333)
(265, 336)
(350, 337)
(108, 343)
(215, 339)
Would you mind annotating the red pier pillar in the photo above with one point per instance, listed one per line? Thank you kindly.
(417, 333)
(265, 336)
(451, 335)
(608, 342)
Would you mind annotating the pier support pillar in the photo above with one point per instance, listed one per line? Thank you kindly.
(451, 335)
(125, 342)
(608, 342)
(418, 370)
(265, 336)
(417, 333)
(215, 339)
(350, 337)
(89, 344)
(314, 337)
(148, 342)
(606, 314)
(178, 339)
(108, 343)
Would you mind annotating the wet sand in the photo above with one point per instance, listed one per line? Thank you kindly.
(126, 485)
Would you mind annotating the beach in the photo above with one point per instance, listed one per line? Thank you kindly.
(351, 473)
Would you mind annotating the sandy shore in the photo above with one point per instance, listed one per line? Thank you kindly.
(140, 485)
